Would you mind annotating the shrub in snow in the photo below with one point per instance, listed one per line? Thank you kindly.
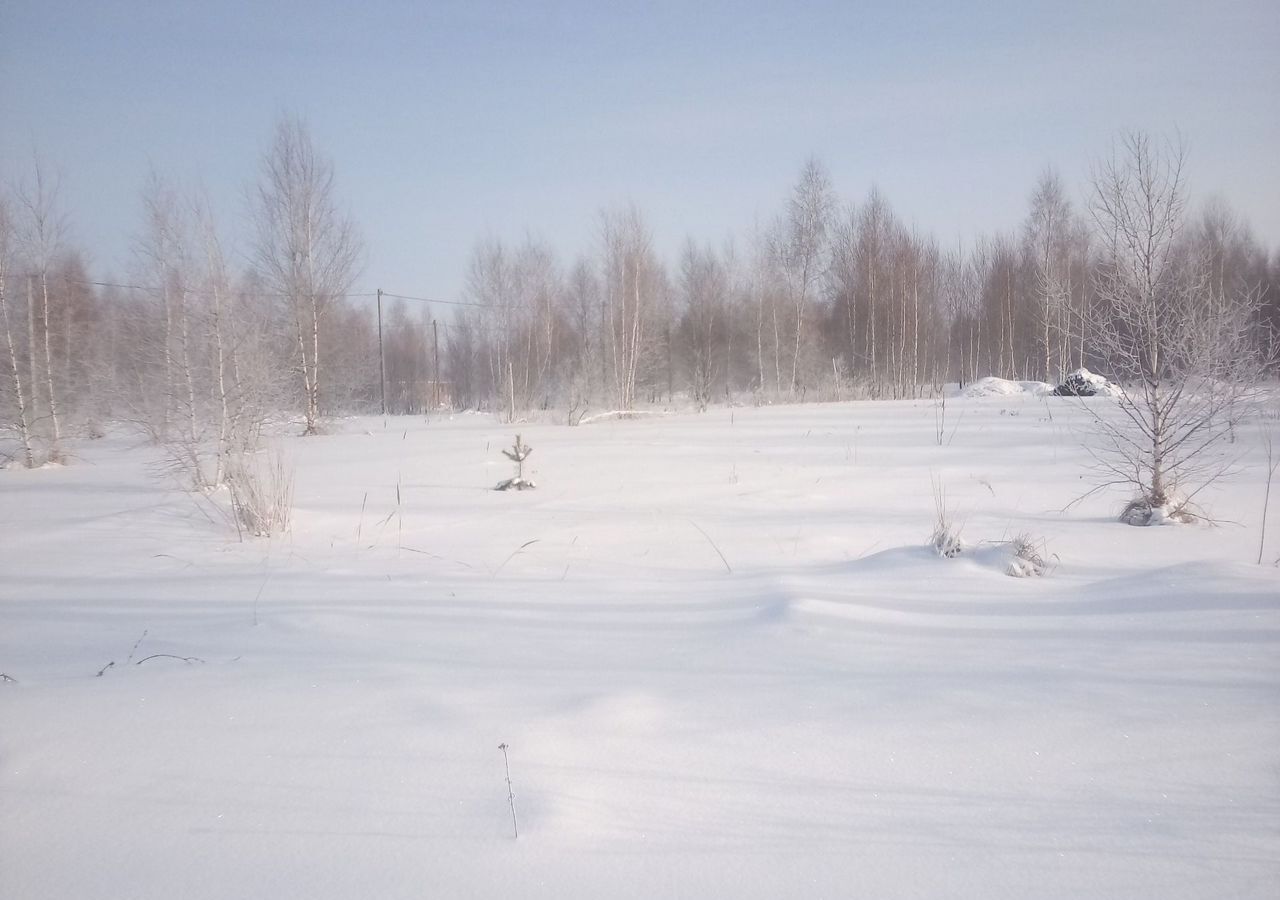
(261, 495)
(1026, 557)
(518, 453)
(945, 539)
(1174, 511)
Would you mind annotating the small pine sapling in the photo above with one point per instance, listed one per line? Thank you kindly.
(518, 453)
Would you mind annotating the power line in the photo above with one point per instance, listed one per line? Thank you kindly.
(429, 300)
(152, 289)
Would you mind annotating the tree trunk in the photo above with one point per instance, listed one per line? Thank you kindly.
(24, 423)
(48, 361)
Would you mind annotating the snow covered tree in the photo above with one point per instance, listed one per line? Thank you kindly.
(1186, 354)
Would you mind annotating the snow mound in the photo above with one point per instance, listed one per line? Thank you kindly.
(1021, 557)
(1174, 511)
(1083, 383)
(1003, 387)
(618, 414)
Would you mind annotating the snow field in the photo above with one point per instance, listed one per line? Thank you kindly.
(830, 710)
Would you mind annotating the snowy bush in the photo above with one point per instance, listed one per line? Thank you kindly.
(1176, 510)
(261, 495)
(1026, 557)
(945, 539)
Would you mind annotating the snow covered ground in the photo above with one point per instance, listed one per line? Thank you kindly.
(722, 658)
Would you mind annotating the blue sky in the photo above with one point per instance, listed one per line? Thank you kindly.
(449, 121)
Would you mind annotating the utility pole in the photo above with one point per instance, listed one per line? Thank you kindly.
(382, 357)
(435, 334)
(671, 372)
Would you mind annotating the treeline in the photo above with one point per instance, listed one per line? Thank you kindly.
(831, 300)
(834, 300)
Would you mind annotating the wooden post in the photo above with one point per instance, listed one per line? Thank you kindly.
(435, 332)
(382, 357)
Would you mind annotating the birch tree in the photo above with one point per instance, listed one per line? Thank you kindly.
(801, 249)
(1048, 233)
(42, 234)
(1186, 357)
(307, 250)
(583, 310)
(633, 281)
(165, 250)
(704, 290)
(22, 415)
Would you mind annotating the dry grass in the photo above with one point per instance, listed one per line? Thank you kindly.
(261, 494)
(945, 539)
(1027, 557)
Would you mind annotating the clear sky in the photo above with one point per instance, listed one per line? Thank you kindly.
(449, 121)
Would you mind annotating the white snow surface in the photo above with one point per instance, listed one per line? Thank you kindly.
(991, 386)
(831, 710)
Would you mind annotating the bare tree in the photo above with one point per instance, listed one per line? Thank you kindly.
(877, 228)
(307, 248)
(1186, 356)
(1048, 233)
(43, 233)
(704, 290)
(759, 299)
(520, 295)
(491, 286)
(800, 247)
(165, 249)
(633, 284)
(241, 392)
(583, 311)
(538, 289)
(23, 423)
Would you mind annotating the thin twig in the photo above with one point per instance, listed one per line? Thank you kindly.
(135, 647)
(727, 567)
(185, 659)
(360, 524)
(1266, 497)
(516, 553)
(511, 795)
(258, 596)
